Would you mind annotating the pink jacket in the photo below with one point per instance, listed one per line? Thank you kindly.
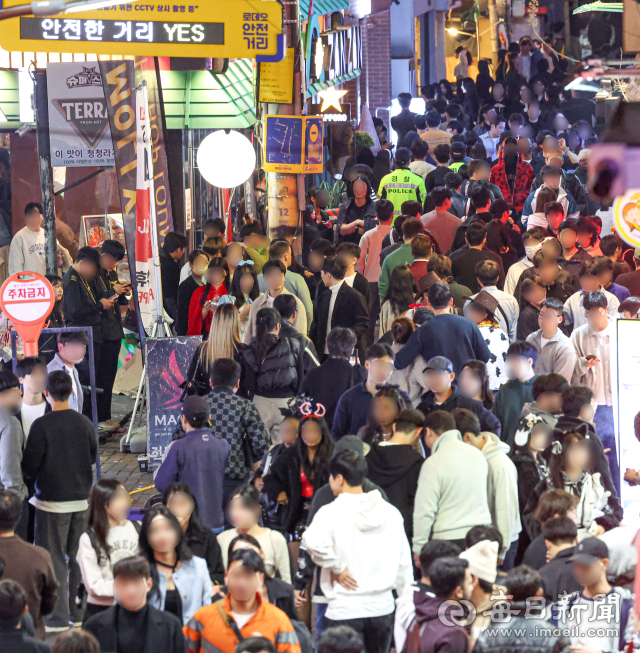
(371, 246)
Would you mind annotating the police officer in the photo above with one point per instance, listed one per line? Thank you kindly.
(107, 287)
(402, 185)
(83, 306)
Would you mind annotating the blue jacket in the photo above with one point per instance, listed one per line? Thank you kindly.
(192, 581)
(352, 410)
(199, 460)
(573, 207)
(448, 335)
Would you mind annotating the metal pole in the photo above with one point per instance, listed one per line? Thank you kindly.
(46, 173)
(493, 24)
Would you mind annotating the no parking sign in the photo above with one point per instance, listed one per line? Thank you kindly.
(27, 298)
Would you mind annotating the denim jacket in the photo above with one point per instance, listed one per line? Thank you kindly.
(192, 581)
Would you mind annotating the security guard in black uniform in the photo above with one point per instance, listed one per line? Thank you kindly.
(107, 287)
(83, 307)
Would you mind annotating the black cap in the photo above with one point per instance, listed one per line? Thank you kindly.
(590, 550)
(195, 408)
(440, 364)
(458, 148)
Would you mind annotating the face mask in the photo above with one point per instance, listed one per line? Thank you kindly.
(531, 250)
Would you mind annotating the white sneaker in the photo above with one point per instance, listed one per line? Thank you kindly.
(55, 629)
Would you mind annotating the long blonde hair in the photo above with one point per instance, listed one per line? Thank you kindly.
(224, 336)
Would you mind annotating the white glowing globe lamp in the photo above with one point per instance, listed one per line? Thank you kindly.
(226, 159)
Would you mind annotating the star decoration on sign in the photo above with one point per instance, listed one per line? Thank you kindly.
(331, 98)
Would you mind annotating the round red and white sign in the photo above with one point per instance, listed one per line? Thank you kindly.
(27, 298)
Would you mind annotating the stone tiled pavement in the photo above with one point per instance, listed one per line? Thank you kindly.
(124, 466)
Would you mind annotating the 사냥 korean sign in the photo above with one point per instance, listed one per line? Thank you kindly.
(242, 28)
(78, 120)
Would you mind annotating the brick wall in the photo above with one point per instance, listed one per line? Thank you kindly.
(375, 84)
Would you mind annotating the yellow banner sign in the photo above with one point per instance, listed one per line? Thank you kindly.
(211, 28)
(275, 80)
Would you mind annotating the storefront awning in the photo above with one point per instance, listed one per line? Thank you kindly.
(205, 100)
(321, 7)
(314, 89)
(9, 102)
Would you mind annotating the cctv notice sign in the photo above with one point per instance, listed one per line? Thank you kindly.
(211, 28)
(78, 120)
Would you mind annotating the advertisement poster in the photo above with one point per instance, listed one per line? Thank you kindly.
(167, 363)
(313, 145)
(78, 120)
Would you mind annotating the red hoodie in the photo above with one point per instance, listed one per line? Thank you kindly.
(429, 633)
(522, 184)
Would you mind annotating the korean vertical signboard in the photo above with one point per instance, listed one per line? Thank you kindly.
(78, 120)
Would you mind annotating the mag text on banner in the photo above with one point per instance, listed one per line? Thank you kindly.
(167, 363)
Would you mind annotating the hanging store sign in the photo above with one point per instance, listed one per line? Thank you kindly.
(275, 80)
(244, 29)
(332, 54)
(78, 120)
(293, 144)
(331, 114)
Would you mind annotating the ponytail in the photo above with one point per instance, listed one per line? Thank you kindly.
(267, 319)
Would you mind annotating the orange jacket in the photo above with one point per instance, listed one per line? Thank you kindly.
(208, 630)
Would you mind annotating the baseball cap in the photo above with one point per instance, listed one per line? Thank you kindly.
(440, 364)
(459, 149)
(403, 156)
(349, 443)
(590, 550)
(195, 407)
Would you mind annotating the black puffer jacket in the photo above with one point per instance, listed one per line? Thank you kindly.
(520, 635)
(279, 374)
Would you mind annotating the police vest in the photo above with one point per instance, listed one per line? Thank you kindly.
(401, 186)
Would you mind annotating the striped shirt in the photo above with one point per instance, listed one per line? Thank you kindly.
(436, 137)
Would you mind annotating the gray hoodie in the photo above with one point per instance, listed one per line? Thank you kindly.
(12, 443)
(502, 490)
(452, 492)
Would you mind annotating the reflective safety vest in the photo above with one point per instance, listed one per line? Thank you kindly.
(456, 165)
(401, 186)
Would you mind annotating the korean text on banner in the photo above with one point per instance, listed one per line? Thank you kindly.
(78, 120)
(145, 230)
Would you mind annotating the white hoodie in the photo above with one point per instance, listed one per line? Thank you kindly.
(365, 534)
(502, 490)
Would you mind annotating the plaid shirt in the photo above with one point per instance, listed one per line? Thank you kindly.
(235, 420)
(521, 186)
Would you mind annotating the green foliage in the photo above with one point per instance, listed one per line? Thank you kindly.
(335, 192)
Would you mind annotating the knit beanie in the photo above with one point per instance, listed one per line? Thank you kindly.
(483, 560)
